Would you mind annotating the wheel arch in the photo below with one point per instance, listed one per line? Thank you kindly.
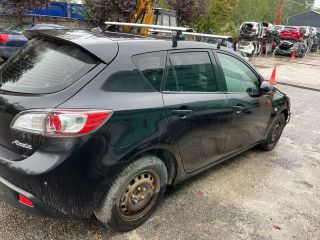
(286, 114)
(165, 155)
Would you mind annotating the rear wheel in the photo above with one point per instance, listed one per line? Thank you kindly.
(134, 194)
(274, 134)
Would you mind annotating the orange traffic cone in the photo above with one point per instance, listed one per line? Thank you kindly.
(293, 55)
(273, 76)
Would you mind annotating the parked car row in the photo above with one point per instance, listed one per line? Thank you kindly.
(255, 38)
(12, 39)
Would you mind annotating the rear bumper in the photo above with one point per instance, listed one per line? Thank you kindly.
(9, 193)
(61, 176)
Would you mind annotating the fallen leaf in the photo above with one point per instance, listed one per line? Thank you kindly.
(276, 227)
(200, 193)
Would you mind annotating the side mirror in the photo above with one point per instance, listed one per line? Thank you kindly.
(265, 87)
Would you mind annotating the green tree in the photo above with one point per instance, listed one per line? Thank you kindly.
(265, 10)
(21, 6)
(219, 17)
(162, 4)
(110, 10)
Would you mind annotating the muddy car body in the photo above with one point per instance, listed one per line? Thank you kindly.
(121, 117)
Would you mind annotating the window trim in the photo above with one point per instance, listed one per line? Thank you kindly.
(215, 70)
(259, 77)
(165, 53)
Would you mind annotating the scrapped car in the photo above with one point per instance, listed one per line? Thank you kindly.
(250, 35)
(12, 39)
(289, 47)
(103, 123)
(308, 37)
(292, 33)
(315, 40)
(248, 48)
(251, 30)
(270, 38)
(279, 28)
(292, 41)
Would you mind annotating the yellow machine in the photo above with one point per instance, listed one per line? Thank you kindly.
(146, 13)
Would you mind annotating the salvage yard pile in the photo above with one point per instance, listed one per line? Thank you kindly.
(257, 38)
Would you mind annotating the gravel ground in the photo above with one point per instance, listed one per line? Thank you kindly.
(257, 195)
(302, 72)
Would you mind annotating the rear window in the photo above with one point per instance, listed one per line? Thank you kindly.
(151, 65)
(45, 66)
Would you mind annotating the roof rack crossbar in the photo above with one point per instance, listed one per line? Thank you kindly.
(207, 35)
(177, 32)
(169, 28)
(193, 34)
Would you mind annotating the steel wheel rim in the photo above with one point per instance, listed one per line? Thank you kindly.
(139, 195)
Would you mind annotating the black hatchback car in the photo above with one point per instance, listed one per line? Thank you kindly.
(102, 124)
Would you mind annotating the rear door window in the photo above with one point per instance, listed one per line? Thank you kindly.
(45, 66)
(193, 72)
(239, 77)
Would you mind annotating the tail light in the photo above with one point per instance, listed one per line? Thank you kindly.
(3, 37)
(24, 200)
(60, 123)
(254, 29)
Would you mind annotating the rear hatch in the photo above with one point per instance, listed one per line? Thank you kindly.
(38, 77)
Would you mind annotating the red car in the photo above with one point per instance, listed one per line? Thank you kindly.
(291, 33)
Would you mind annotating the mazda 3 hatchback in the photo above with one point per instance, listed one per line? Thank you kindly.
(102, 124)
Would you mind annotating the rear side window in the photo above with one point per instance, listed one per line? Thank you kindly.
(193, 71)
(151, 65)
(45, 66)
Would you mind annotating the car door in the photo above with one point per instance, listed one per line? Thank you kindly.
(196, 107)
(251, 110)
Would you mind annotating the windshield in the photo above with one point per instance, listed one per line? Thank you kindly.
(45, 66)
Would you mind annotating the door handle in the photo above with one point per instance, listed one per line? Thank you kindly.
(182, 113)
(239, 108)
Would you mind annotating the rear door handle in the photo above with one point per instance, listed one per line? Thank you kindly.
(182, 113)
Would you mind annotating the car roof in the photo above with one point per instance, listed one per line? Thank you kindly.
(110, 42)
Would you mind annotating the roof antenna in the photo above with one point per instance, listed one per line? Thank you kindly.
(97, 29)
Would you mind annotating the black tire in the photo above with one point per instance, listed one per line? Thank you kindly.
(274, 134)
(125, 194)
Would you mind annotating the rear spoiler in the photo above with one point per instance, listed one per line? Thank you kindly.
(104, 49)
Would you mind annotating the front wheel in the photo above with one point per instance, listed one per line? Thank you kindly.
(274, 134)
(134, 194)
